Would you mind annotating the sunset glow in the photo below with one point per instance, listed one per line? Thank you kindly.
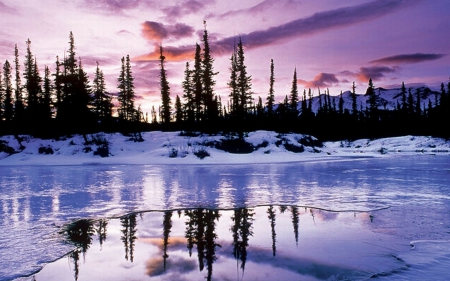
(331, 43)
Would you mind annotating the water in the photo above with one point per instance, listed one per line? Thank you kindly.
(394, 201)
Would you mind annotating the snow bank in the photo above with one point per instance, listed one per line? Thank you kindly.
(174, 148)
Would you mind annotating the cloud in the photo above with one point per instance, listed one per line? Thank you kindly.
(7, 9)
(181, 53)
(115, 6)
(155, 31)
(320, 81)
(374, 73)
(183, 8)
(314, 24)
(260, 7)
(324, 21)
(408, 58)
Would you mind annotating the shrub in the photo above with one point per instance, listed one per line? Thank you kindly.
(294, 148)
(102, 151)
(46, 150)
(236, 146)
(173, 152)
(4, 147)
(201, 153)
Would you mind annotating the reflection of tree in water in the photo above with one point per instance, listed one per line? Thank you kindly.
(167, 225)
(242, 230)
(79, 233)
(128, 237)
(295, 221)
(200, 231)
(101, 226)
(271, 213)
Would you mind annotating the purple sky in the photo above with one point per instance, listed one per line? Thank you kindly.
(331, 43)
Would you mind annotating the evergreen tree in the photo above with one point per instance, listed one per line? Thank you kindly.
(18, 104)
(354, 103)
(403, 95)
(234, 94)
(165, 90)
(45, 106)
(418, 103)
(8, 92)
(271, 96)
(293, 98)
(32, 83)
(208, 82)
(101, 100)
(341, 105)
(130, 94)
(58, 84)
(178, 110)
(410, 103)
(122, 97)
(373, 111)
(197, 83)
(243, 81)
(188, 96)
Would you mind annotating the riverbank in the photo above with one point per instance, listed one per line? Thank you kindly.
(168, 148)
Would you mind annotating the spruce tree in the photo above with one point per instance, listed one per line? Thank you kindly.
(8, 92)
(45, 106)
(341, 105)
(188, 96)
(418, 103)
(122, 95)
(58, 84)
(18, 103)
(165, 90)
(197, 83)
(293, 98)
(130, 94)
(271, 96)
(211, 110)
(234, 93)
(354, 103)
(178, 110)
(243, 81)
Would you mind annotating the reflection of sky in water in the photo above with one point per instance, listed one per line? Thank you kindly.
(34, 200)
(329, 245)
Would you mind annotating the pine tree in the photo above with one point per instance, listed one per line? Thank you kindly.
(341, 105)
(197, 83)
(46, 111)
(403, 95)
(165, 90)
(101, 100)
(354, 103)
(18, 104)
(293, 98)
(130, 94)
(178, 110)
(271, 96)
(373, 111)
(122, 96)
(410, 103)
(188, 96)
(243, 81)
(418, 103)
(234, 94)
(8, 92)
(211, 110)
(31, 83)
(58, 83)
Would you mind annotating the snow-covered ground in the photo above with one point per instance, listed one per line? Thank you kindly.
(172, 148)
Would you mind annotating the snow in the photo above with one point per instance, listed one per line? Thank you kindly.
(159, 147)
(403, 183)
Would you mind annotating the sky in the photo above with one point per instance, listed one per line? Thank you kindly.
(331, 43)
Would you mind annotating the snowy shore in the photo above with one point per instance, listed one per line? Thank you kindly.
(173, 148)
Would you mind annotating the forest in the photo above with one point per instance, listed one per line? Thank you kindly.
(65, 102)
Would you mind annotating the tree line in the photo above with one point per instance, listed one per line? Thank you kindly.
(66, 102)
(203, 110)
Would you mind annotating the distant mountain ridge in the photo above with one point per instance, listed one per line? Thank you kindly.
(387, 99)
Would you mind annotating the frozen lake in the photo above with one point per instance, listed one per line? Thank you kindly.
(387, 218)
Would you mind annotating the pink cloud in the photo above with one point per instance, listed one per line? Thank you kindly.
(155, 31)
